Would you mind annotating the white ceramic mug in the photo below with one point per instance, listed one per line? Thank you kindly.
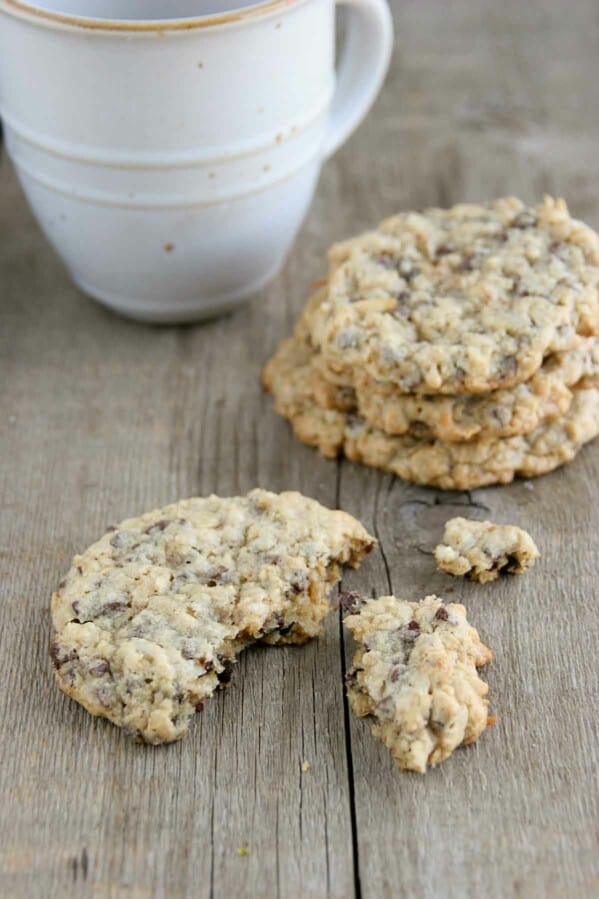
(170, 161)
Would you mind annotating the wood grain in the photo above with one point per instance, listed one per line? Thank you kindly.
(101, 418)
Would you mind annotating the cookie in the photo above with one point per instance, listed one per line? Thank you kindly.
(482, 551)
(506, 412)
(149, 619)
(464, 300)
(452, 466)
(415, 674)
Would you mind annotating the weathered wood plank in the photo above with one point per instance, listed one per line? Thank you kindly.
(483, 104)
(102, 418)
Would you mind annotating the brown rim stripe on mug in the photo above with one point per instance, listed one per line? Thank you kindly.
(47, 16)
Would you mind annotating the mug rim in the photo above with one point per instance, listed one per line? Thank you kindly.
(22, 8)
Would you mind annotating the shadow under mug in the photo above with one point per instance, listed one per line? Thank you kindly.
(171, 161)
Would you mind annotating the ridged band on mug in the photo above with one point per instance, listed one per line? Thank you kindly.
(182, 158)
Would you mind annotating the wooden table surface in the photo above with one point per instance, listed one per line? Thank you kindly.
(102, 418)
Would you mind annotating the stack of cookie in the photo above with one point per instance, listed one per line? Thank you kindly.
(454, 348)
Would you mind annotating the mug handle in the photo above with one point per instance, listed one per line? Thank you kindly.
(364, 62)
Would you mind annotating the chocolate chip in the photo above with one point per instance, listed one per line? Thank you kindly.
(396, 673)
(441, 614)
(502, 415)
(351, 601)
(467, 263)
(351, 677)
(299, 582)
(408, 633)
(224, 676)
(444, 250)
(99, 668)
(419, 429)
(157, 526)
(507, 366)
(512, 564)
(60, 657)
(55, 653)
(199, 707)
(189, 651)
(110, 528)
(400, 312)
(112, 608)
(354, 425)
(105, 696)
(218, 574)
(62, 584)
(79, 569)
(524, 220)
(280, 626)
(272, 559)
(130, 731)
(133, 683)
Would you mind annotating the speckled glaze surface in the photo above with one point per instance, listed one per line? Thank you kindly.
(171, 181)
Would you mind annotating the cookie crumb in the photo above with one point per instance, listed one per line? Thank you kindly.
(482, 551)
(415, 676)
(491, 720)
(243, 851)
(305, 765)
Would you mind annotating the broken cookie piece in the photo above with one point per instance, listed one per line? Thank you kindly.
(482, 551)
(415, 674)
(150, 619)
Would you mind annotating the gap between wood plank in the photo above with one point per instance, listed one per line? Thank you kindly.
(346, 727)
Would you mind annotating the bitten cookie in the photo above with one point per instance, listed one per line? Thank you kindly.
(149, 620)
(461, 300)
(482, 551)
(415, 674)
